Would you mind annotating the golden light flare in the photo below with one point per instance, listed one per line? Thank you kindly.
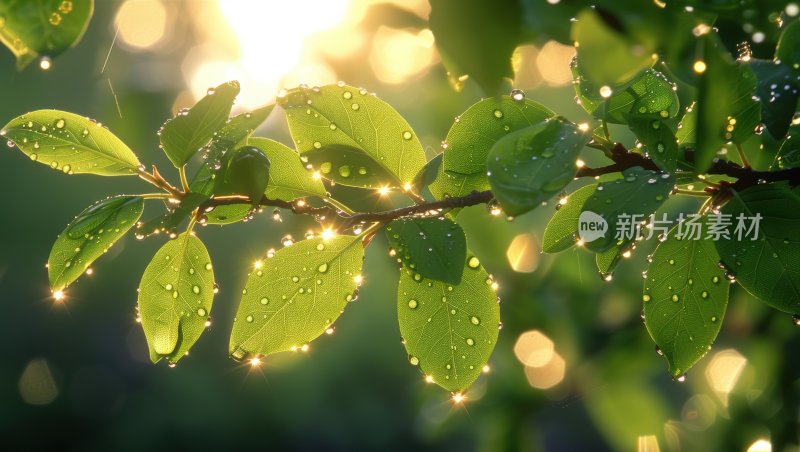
(141, 24)
(533, 348)
(553, 63)
(399, 55)
(548, 375)
(647, 443)
(760, 445)
(523, 253)
(59, 295)
(723, 372)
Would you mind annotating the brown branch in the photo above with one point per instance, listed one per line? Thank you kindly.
(622, 158)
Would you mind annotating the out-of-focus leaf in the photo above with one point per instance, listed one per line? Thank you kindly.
(296, 295)
(71, 143)
(484, 56)
(352, 137)
(607, 57)
(33, 28)
(531, 165)
(182, 136)
(769, 266)
(685, 297)
(727, 110)
(175, 297)
(449, 330)
(435, 248)
(788, 50)
(89, 236)
(245, 172)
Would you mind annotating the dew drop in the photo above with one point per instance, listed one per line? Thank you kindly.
(498, 114)
(473, 262)
(412, 304)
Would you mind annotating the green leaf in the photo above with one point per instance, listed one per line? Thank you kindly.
(428, 173)
(788, 149)
(435, 247)
(777, 90)
(687, 129)
(245, 172)
(607, 261)
(289, 179)
(485, 56)
(352, 137)
(531, 165)
(296, 295)
(605, 53)
(33, 28)
(658, 140)
(175, 297)
(484, 123)
(182, 136)
(639, 192)
(89, 236)
(685, 296)
(71, 143)
(648, 94)
(562, 229)
(788, 50)
(449, 331)
(768, 267)
(726, 108)
(174, 216)
(451, 184)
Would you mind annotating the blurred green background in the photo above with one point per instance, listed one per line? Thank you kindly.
(76, 376)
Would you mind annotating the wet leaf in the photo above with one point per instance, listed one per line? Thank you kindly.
(562, 229)
(639, 192)
(289, 179)
(184, 135)
(685, 297)
(296, 295)
(436, 248)
(46, 28)
(89, 236)
(449, 330)
(658, 140)
(777, 90)
(245, 171)
(175, 297)
(70, 143)
(352, 137)
(649, 94)
(768, 267)
(531, 165)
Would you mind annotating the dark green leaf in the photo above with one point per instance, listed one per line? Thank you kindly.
(607, 57)
(685, 297)
(484, 56)
(448, 330)
(788, 50)
(428, 173)
(627, 201)
(562, 229)
(89, 236)
(769, 266)
(531, 165)
(296, 295)
(687, 129)
(658, 140)
(175, 297)
(777, 90)
(788, 149)
(184, 135)
(71, 143)
(726, 108)
(607, 261)
(244, 172)
(649, 94)
(436, 248)
(33, 28)
(352, 137)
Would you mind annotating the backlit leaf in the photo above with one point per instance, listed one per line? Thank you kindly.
(436, 248)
